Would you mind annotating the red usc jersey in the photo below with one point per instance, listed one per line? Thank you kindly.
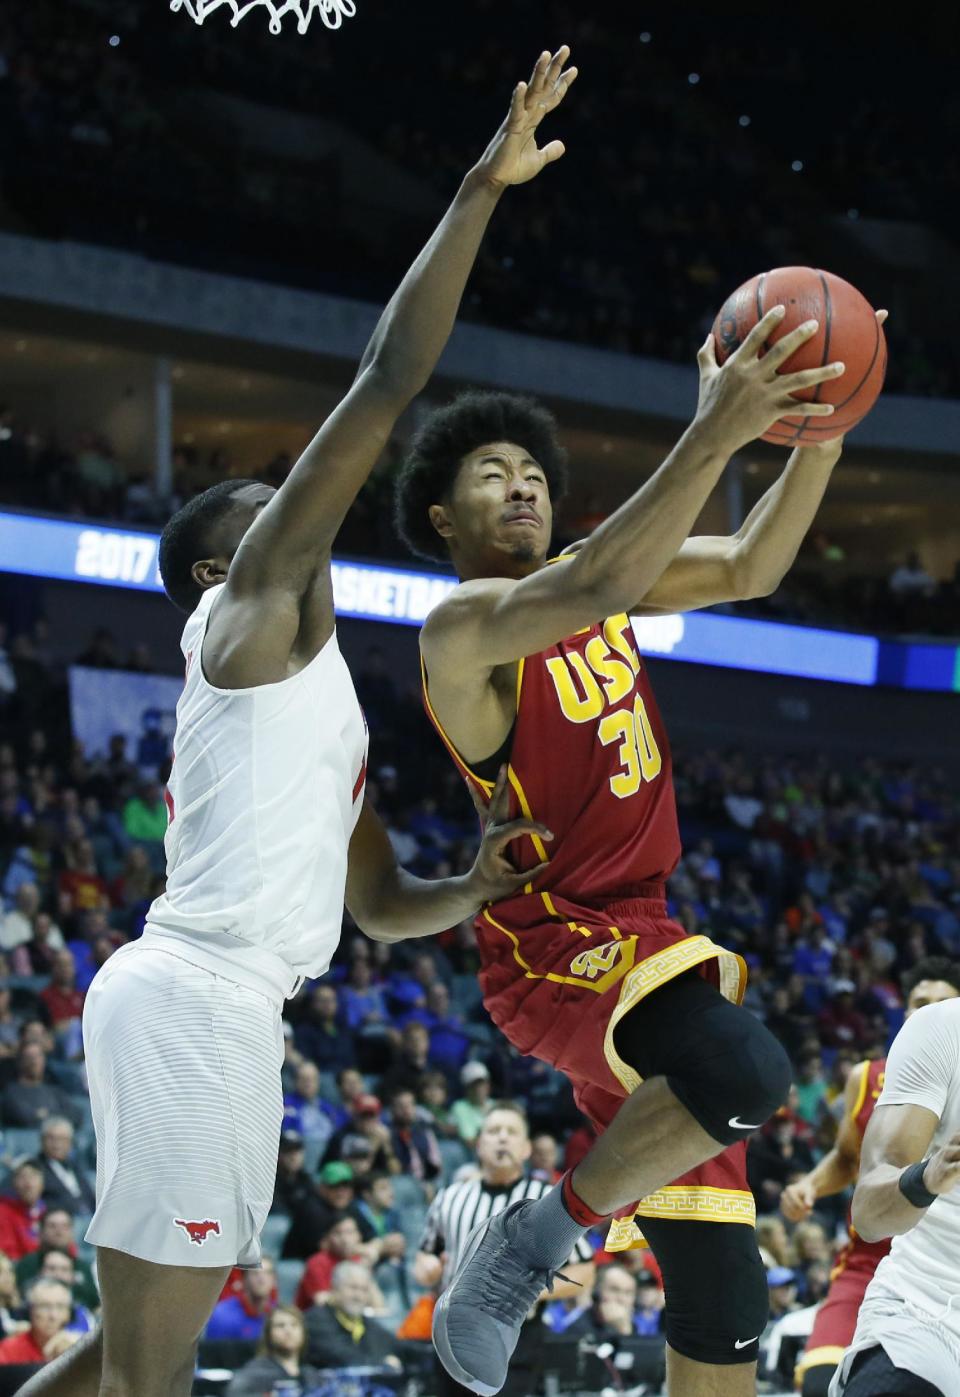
(589, 758)
(870, 1089)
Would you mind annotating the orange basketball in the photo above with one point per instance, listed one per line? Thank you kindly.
(848, 332)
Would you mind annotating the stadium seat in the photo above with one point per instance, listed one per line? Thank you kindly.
(312, 1150)
(391, 1279)
(407, 1192)
(19, 1141)
(288, 1278)
(274, 1230)
(454, 1154)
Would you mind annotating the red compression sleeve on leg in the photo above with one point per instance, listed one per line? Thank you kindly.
(575, 1205)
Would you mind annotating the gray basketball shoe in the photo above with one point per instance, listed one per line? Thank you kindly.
(477, 1320)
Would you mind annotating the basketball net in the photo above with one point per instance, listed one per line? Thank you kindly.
(332, 12)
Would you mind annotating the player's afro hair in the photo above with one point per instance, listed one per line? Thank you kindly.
(932, 968)
(451, 433)
(187, 538)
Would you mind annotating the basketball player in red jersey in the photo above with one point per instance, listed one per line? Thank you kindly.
(928, 982)
(537, 665)
(267, 831)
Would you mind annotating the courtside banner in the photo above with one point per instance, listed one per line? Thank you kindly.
(111, 557)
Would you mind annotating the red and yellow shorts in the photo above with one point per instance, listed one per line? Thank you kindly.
(557, 978)
(836, 1318)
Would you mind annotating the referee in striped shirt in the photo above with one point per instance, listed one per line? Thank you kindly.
(503, 1149)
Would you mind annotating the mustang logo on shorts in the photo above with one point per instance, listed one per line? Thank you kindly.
(198, 1231)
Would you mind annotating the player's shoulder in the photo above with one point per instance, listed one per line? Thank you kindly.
(466, 599)
(934, 1023)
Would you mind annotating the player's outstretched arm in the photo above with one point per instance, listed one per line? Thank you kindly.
(295, 532)
(838, 1168)
(492, 621)
(389, 904)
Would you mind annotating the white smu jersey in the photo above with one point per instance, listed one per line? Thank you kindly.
(263, 796)
(923, 1069)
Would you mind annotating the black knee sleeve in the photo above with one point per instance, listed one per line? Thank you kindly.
(719, 1060)
(715, 1288)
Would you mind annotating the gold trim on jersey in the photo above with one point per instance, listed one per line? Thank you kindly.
(597, 968)
(655, 971)
(521, 794)
(826, 1354)
(864, 1084)
(685, 1203)
(459, 761)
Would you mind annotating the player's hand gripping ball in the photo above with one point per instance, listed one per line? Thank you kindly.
(849, 331)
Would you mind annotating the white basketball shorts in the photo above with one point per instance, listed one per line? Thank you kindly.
(184, 1073)
(914, 1338)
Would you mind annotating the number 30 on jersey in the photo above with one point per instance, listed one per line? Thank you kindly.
(589, 685)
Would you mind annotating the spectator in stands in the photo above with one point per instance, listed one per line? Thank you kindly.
(279, 1357)
(775, 1157)
(293, 1184)
(410, 1063)
(50, 1305)
(545, 1158)
(449, 1043)
(145, 814)
(358, 1152)
(839, 1023)
(56, 1234)
(614, 1314)
(37, 957)
(414, 1143)
(59, 1265)
(350, 1085)
(365, 1120)
(29, 1099)
(322, 1034)
(811, 1088)
(333, 1197)
(377, 1203)
(364, 1003)
(782, 1288)
(21, 1211)
(61, 998)
(469, 1111)
(339, 1334)
(433, 1098)
(342, 1242)
(9, 1299)
(81, 879)
(304, 1109)
(242, 1316)
(9, 1024)
(16, 926)
(64, 1185)
(911, 579)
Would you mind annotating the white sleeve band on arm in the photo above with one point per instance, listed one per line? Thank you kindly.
(924, 1059)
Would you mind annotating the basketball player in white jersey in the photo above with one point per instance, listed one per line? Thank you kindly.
(182, 1029)
(907, 1341)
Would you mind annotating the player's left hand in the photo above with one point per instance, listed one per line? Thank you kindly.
(513, 156)
(493, 876)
